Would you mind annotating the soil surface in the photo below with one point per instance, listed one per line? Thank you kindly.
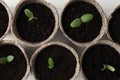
(4, 20)
(64, 64)
(114, 26)
(35, 30)
(94, 59)
(87, 31)
(16, 69)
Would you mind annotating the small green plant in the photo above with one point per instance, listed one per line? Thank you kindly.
(7, 59)
(30, 15)
(109, 67)
(50, 63)
(76, 22)
(83, 19)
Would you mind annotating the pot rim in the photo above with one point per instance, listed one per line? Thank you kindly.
(109, 18)
(23, 52)
(60, 44)
(106, 42)
(13, 28)
(103, 28)
(10, 19)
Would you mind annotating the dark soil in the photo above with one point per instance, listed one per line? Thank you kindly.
(114, 26)
(17, 68)
(35, 30)
(4, 20)
(94, 59)
(86, 32)
(65, 64)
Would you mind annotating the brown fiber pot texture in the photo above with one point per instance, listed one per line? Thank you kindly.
(59, 44)
(25, 77)
(103, 28)
(104, 42)
(9, 17)
(109, 18)
(15, 32)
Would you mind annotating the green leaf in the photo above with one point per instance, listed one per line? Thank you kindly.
(111, 68)
(75, 23)
(10, 58)
(28, 13)
(86, 18)
(3, 60)
(50, 63)
(7, 59)
(104, 67)
(31, 18)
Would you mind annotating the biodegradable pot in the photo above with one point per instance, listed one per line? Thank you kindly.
(86, 33)
(5, 19)
(19, 68)
(66, 62)
(35, 32)
(93, 58)
(114, 26)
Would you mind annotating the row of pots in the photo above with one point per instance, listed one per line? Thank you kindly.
(19, 68)
(35, 35)
(66, 64)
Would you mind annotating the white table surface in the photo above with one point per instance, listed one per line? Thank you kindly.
(107, 5)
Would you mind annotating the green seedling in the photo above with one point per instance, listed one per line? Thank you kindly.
(104, 67)
(30, 15)
(109, 67)
(50, 63)
(77, 22)
(86, 18)
(7, 59)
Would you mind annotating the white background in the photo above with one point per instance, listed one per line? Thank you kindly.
(107, 5)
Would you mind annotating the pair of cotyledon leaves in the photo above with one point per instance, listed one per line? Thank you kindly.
(30, 15)
(77, 22)
(8, 59)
